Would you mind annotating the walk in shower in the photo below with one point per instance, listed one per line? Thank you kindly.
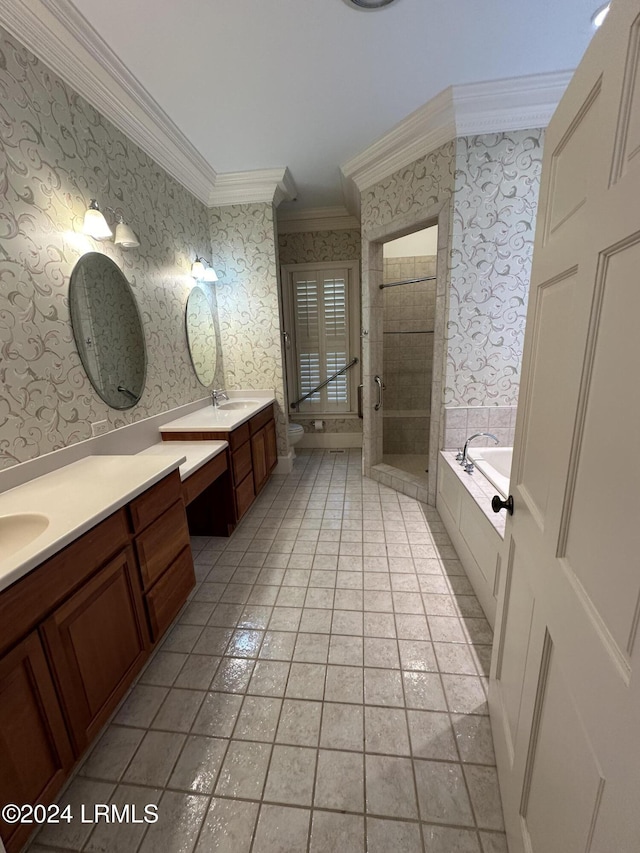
(409, 304)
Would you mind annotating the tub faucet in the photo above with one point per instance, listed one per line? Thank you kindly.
(217, 395)
(466, 463)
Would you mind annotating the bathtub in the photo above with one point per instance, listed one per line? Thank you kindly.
(495, 464)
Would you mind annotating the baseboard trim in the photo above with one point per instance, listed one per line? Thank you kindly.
(331, 440)
(285, 464)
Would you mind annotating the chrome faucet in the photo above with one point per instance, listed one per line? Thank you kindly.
(216, 395)
(466, 463)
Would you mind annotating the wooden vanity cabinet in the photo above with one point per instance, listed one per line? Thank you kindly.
(209, 498)
(34, 744)
(75, 631)
(253, 455)
(96, 642)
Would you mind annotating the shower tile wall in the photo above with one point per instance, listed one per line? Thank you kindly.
(408, 358)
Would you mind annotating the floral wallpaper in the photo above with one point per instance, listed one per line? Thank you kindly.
(497, 180)
(319, 246)
(244, 244)
(56, 153)
(409, 193)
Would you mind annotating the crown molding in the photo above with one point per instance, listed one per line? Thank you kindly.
(515, 103)
(260, 185)
(56, 32)
(292, 221)
(424, 130)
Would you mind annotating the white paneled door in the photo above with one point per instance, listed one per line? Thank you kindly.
(565, 688)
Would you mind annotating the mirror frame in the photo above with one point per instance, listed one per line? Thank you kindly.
(76, 328)
(215, 335)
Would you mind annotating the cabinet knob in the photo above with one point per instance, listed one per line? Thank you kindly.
(497, 504)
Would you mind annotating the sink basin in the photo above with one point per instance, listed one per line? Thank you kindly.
(238, 405)
(19, 530)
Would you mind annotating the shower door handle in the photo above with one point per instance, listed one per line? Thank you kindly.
(378, 382)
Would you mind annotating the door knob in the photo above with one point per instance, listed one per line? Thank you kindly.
(497, 504)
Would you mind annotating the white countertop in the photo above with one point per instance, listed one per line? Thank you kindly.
(74, 499)
(197, 453)
(222, 419)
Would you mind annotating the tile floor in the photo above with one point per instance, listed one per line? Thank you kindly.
(323, 690)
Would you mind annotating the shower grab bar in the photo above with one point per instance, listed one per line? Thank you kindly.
(378, 382)
(407, 281)
(322, 384)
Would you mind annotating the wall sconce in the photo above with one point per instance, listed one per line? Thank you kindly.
(202, 273)
(96, 226)
(125, 236)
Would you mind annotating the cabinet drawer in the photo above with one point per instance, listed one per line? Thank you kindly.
(168, 595)
(154, 501)
(38, 593)
(239, 436)
(161, 543)
(262, 418)
(245, 493)
(203, 477)
(241, 463)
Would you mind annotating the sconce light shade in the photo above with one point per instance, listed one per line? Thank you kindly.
(95, 225)
(202, 273)
(125, 236)
(197, 270)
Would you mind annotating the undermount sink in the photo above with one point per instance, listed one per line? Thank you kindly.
(236, 405)
(19, 530)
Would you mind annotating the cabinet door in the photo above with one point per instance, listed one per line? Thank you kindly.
(271, 446)
(35, 753)
(259, 457)
(97, 640)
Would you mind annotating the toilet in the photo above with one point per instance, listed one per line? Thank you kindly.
(296, 431)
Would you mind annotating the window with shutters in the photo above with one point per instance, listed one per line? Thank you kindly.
(322, 322)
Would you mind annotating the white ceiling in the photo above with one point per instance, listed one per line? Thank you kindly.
(308, 84)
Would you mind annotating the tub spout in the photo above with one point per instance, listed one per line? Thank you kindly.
(466, 463)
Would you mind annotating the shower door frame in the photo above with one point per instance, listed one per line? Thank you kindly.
(372, 344)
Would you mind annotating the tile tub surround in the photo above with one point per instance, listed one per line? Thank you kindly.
(324, 686)
(476, 531)
(480, 489)
(461, 422)
(57, 152)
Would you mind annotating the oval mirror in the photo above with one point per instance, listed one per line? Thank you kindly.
(108, 330)
(201, 336)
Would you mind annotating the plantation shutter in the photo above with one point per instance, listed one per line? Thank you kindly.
(322, 337)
